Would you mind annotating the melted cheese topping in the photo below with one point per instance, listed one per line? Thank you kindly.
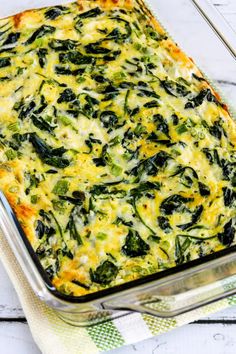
(116, 155)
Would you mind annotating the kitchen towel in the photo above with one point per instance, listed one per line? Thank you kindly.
(51, 334)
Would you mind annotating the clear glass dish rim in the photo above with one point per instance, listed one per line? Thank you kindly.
(149, 280)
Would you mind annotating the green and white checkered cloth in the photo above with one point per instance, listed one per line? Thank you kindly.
(53, 336)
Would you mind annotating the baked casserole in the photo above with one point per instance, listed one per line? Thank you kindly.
(117, 156)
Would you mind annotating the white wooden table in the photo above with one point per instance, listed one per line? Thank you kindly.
(210, 335)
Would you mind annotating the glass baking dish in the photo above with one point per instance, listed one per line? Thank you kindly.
(205, 36)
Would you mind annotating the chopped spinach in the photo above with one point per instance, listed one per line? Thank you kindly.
(229, 196)
(60, 70)
(66, 96)
(164, 224)
(181, 248)
(42, 229)
(12, 38)
(161, 124)
(174, 203)
(229, 171)
(104, 192)
(39, 33)
(154, 138)
(143, 188)
(33, 181)
(119, 221)
(63, 44)
(47, 154)
(78, 195)
(175, 119)
(217, 130)
(154, 238)
(95, 48)
(100, 79)
(109, 119)
(105, 273)
(42, 54)
(26, 109)
(227, 236)
(45, 227)
(78, 25)
(90, 13)
(104, 159)
(212, 156)
(20, 138)
(151, 104)
(181, 170)
(187, 175)
(198, 78)
(56, 11)
(148, 93)
(90, 141)
(199, 99)
(195, 217)
(50, 272)
(134, 245)
(77, 199)
(118, 36)
(133, 202)
(76, 58)
(154, 35)
(99, 189)
(4, 62)
(71, 227)
(112, 56)
(56, 161)
(203, 189)
(43, 105)
(174, 88)
(42, 124)
(151, 165)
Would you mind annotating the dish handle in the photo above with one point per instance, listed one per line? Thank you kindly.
(176, 295)
(218, 23)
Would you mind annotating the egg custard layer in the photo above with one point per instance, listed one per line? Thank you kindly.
(116, 155)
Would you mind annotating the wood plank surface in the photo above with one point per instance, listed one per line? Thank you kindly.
(215, 334)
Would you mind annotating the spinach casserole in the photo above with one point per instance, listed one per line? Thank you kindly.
(116, 155)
